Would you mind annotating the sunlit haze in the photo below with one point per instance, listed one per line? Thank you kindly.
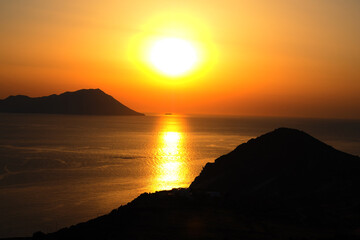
(260, 58)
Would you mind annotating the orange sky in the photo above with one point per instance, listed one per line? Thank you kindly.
(279, 58)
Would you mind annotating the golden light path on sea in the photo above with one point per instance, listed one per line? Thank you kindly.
(170, 168)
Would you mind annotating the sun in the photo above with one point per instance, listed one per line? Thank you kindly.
(173, 56)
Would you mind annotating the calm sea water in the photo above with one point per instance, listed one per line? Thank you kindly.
(58, 170)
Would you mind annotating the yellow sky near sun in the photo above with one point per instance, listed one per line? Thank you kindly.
(285, 58)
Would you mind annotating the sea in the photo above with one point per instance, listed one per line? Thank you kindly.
(59, 170)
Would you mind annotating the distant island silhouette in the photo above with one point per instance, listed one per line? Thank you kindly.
(282, 185)
(82, 102)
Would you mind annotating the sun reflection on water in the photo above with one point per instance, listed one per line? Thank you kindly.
(170, 165)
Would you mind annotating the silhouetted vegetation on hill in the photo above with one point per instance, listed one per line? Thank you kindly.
(282, 185)
(85, 101)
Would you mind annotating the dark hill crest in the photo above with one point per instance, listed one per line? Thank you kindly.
(280, 165)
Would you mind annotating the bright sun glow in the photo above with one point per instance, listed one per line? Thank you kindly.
(173, 56)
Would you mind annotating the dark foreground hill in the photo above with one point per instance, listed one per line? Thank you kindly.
(85, 101)
(285, 165)
(282, 185)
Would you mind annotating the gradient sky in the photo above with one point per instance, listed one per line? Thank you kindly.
(266, 58)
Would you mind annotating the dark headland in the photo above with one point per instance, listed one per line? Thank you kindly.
(82, 102)
(282, 185)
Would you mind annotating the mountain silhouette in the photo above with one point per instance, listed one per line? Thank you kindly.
(282, 185)
(281, 166)
(84, 102)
